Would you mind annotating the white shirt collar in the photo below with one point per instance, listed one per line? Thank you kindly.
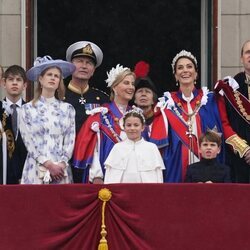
(18, 103)
(188, 99)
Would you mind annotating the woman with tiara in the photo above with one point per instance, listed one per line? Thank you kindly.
(103, 127)
(184, 116)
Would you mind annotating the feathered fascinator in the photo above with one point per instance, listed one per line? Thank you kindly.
(141, 69)
(142, 79)
(113, 73)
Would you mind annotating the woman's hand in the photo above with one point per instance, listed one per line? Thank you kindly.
(98, 180)
(56, 169)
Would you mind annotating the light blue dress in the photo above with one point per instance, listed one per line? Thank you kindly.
(48, 132)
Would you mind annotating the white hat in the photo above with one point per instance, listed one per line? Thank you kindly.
(85, 48)
(42, 63)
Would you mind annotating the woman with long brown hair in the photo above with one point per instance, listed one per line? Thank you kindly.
(47, 125)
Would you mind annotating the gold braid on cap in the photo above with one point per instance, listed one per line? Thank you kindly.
(183, 53)
(239, 145)
(87, 49)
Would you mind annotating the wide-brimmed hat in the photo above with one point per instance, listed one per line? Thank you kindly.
(85, 48)
(42, 63)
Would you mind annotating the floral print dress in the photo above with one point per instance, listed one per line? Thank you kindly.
(48, 132)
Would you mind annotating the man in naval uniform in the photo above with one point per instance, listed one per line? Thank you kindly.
(86, 56)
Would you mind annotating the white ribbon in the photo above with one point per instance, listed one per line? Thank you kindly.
(102, 110)
(47, 178)
(230, 81)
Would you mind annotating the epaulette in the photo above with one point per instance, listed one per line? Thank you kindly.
(100, 91)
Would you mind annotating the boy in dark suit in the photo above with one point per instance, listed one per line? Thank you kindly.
(13, 151)
(208, 170)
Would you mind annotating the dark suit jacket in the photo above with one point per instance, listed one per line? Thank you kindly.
(15, 159)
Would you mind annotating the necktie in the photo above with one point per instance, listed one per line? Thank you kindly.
(14, 119)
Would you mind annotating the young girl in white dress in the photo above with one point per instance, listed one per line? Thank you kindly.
(134, 160)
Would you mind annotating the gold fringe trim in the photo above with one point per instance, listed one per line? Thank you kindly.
(104, 195)
(239, 145)
(77, 90)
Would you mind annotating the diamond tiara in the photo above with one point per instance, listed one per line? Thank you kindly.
(136, 110)
(113, 73)
(183, 53)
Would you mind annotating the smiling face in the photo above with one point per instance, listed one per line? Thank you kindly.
(124, 90)
(133, 127)
(185, 72)
(209, 150)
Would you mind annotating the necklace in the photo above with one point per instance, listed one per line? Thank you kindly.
(80, 91)
(189, 122)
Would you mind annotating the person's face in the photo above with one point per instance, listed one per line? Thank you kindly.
(245, 58)
(14, 85)
(185, 72)
(125, 89)
(144, 97)
(50, 80)
(133, 128)
(209, 150)
(85, 68)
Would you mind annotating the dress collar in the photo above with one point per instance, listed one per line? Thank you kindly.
(47, 100)
(130, 142)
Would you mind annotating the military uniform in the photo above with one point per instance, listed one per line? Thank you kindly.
(89, 97)
(234, 109)
(81, 102)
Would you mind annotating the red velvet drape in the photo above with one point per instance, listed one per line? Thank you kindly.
(138, 216)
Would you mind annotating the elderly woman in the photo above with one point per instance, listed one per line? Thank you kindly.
(145, 96)
(185, 115)
(104, 126)
(47, 125)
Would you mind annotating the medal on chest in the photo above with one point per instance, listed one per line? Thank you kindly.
(82, 100)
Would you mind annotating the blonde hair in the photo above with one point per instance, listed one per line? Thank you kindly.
(60, 92)
(118, 79)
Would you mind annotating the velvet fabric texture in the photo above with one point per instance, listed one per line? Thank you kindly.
(138, 216)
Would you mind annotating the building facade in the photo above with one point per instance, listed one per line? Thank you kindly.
(230, 29)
